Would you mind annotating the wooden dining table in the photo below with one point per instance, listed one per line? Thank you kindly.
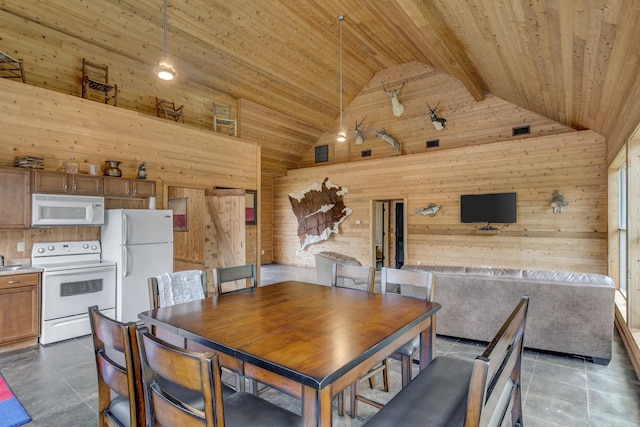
(309, 341)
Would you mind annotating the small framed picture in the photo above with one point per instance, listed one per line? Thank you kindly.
(179, 208)
(251, 207)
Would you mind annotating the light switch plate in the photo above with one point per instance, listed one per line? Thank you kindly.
(20, 246)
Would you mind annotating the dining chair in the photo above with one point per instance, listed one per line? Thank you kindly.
(353, 277)
(360, 278)
(163, 363)
(173, 288)
(414, 284)
(120, 391)
(231, 274)
(242, 273)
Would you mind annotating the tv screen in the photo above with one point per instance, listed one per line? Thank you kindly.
(489, 208)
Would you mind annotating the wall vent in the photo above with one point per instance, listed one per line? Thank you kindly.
(365, 153)
(521, 130)
(322, 154)
(433, 143)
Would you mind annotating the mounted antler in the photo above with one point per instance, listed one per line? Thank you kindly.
(382, 134)
(396, 106)
(359, 134)
(436, 121)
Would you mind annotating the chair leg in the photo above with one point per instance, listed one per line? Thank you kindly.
(341, 403)
(353, 409)
(372, 381)
(385, 376)
(405, 368)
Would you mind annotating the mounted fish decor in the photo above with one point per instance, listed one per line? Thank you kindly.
(430, 210)
(436, 121)
(382, 134)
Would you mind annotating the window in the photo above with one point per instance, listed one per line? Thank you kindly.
(622, 228)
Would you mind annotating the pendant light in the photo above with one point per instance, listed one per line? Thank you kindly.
(342, 135)
(165, 70)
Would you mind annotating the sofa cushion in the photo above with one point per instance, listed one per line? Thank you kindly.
(568, 277)
(340, 258)
(444, 269)
(493, 272)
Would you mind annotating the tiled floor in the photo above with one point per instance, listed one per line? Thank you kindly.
(57, 384)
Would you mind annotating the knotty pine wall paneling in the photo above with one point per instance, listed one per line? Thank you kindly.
(573, 163)
(469, 122)
(44, 123)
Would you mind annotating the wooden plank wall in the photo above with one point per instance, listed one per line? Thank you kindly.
(55, 126)
(281, 137)
(266, 220)
(469, 122)
(573, 163)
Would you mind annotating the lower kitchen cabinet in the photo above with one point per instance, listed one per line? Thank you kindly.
(19, 310)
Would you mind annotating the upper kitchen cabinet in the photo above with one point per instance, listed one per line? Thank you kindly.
(124, 187)
(15, 203)
(66, 183)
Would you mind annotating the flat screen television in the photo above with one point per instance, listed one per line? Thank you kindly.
(488, 208)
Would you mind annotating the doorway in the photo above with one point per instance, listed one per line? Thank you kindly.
(388, 233)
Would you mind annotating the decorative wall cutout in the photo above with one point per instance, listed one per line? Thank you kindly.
(558, 202)
(319, 209)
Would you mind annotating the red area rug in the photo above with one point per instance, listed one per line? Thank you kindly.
(12, 413)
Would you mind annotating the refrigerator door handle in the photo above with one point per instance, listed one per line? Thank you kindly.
(125, 231)
(125, 267)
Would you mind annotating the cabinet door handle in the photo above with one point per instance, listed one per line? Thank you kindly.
(13, 282)
(75, 186)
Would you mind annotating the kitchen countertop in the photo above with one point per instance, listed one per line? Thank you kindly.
(7, 271)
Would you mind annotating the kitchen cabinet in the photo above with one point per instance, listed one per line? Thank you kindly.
(15, 198)
(19, 309)
(124, 187)
(67, 183)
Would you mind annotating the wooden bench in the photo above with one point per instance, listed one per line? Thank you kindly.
(456, 392)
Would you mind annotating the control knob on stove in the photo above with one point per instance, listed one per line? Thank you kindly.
(40, 250)
(51, 247)
(85, 246)
(94, 247)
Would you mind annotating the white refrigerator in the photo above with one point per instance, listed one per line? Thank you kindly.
(140, 242)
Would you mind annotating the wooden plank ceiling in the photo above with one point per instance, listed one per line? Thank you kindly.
(575, 62)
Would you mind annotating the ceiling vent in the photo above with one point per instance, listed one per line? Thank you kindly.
(521, 130)
(433, 143)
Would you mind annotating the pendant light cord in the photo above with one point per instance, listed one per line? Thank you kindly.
(340, 19)
(164, 50)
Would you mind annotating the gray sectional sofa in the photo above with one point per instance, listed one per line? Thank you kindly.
(568, 312)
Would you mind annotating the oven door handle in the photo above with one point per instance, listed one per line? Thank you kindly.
(78, 271)
(125, 259)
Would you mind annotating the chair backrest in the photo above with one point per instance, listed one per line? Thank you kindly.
(222, 111)
(118, 367)
(353, 276)
(166, 366)
(495, 386)
(245, 273)
(162, 288)
(411, 283)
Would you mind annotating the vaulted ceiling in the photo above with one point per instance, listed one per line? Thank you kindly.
(576, 62)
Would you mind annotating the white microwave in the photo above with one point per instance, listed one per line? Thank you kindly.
(49, 210)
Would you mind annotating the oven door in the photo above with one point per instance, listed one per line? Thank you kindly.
(70, 292)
